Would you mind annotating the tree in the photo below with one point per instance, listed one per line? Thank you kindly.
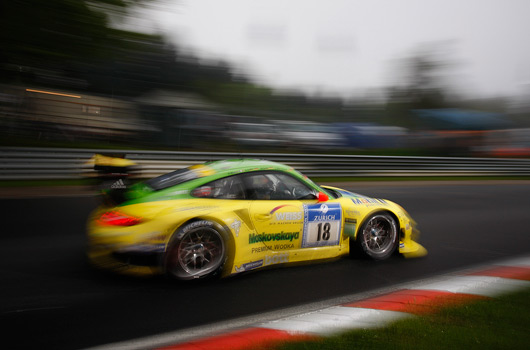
(419, 85)
(49, 41)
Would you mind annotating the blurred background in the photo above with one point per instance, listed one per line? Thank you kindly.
(352, 77)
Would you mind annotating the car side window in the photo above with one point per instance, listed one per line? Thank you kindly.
(225, 188)
(275, 186)
(297, 189)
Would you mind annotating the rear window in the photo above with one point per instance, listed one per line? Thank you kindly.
(171, 179)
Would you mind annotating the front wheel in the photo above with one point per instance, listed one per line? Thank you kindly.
(196, 250)
(378, 236)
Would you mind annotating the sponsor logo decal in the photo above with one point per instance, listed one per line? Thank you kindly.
(265, 248)
(323, 217)
(249, 266)
(276, 259)
(279, 207)
(322, 225)
(286, 216)
(259, 249)
(367, 200)
(118, 185)
(283, 246)
(289, 216)
(236, 225)
(268, 237)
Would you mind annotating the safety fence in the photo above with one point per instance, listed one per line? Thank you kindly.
(21, 163)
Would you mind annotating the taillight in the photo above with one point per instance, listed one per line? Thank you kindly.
(117, 218)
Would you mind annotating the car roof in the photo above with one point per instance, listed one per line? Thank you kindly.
(231, 166)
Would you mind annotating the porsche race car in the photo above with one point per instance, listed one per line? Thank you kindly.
(226, 217)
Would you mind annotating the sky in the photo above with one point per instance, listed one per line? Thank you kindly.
(349, 47)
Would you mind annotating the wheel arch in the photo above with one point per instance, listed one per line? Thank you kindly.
(355, 245)
(219, 225)
(376, 211)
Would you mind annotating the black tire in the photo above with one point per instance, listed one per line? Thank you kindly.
(378, 236)
(196, 250)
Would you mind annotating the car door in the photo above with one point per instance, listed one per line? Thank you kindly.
(288, 219)
(276, 215)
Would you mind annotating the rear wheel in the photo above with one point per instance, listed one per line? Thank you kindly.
(378, 236)
(196, 250)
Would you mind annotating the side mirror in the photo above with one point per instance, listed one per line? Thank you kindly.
(322, 197)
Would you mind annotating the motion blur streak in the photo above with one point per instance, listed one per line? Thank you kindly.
(53, 93)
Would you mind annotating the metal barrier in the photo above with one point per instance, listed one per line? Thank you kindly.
(20, 163)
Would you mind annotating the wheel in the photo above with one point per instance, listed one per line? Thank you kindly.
(196, 250)
(378, 236)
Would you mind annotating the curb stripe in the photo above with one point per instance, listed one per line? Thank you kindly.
(415, 301)
(416, 298)
(512, 272)
(479, 285)
(242, 339)
(336, 319)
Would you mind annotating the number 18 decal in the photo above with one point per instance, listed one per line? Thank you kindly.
(321, 225)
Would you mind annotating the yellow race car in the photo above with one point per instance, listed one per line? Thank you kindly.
(226, 217)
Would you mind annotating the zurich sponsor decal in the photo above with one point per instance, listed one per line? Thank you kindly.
(322, 225)
(324, 212)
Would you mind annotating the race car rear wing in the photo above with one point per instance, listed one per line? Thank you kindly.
(113, 174)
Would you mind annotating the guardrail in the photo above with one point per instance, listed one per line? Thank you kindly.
(20, 163)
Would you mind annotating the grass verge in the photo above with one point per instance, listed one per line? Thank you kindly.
(500, 323)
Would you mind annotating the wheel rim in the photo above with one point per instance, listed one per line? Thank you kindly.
(200, 251)
(379, 234)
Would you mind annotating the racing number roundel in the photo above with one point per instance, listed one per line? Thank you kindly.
(321, 224)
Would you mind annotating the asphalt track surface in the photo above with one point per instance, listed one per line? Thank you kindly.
(51, 298)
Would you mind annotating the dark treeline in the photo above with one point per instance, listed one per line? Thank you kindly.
(71, 45)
